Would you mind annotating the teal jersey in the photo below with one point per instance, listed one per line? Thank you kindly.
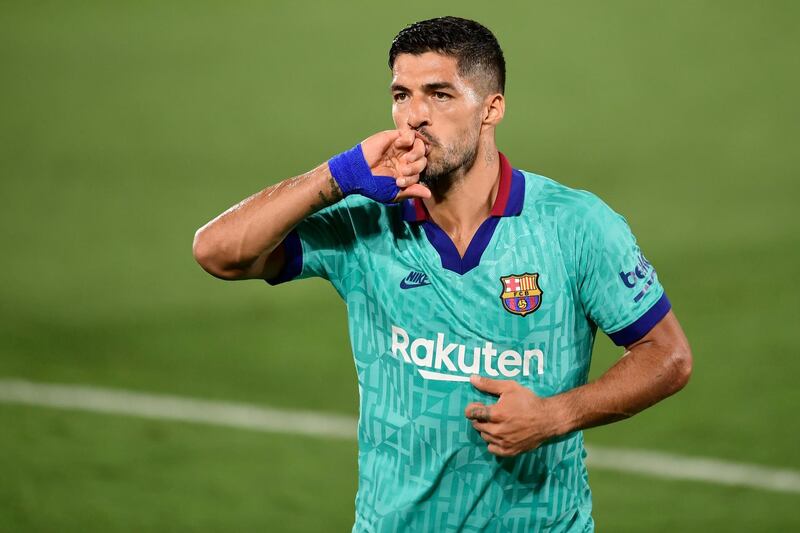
(548, 267)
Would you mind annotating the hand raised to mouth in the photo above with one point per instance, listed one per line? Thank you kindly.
(401, 155)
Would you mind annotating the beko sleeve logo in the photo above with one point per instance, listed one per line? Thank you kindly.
(642, 272)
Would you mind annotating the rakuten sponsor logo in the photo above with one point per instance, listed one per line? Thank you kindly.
(436, 360)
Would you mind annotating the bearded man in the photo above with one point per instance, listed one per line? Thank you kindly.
(474, 292)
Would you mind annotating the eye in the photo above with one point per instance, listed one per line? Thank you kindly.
(399, 97)
(438, 95)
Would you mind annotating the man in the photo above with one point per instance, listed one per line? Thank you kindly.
(474, 292)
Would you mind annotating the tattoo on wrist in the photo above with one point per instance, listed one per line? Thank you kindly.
(326, 199)
(336, 191)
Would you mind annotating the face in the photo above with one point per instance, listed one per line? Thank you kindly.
(429, 96)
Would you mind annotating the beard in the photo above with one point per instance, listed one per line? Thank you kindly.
(449, 163)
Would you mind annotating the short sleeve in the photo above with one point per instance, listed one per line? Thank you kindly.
(321, 245)
(618, 287)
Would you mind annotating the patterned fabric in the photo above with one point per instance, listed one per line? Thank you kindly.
(422, 319)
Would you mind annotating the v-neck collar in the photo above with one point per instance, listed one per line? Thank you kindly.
(509, 202)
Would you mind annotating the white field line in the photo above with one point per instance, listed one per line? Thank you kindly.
(175, 408)
(663, 465)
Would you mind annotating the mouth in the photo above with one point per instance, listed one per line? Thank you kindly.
(426, 139)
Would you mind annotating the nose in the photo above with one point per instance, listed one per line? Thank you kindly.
(418, 114)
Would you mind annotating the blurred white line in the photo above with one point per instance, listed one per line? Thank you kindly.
(663, 465)
(672, 466)
(176, 408)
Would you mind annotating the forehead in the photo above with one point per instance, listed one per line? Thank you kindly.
(430, 67)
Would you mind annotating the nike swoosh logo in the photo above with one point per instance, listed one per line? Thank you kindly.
(404, 285)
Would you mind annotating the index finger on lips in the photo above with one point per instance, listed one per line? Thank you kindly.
(424, 140)
(405, 139)
(415, 153)
(417, 150)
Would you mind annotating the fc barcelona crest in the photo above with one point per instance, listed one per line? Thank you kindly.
(521, 293)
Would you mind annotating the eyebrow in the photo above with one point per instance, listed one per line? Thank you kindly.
(428, 87)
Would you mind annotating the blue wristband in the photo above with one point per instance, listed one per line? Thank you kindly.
(353, 175)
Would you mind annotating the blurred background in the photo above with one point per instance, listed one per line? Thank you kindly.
(127, 125)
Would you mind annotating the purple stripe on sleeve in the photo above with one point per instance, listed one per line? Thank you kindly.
(293, 263)
(643, 324)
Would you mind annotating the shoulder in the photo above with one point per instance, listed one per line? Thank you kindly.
(365, 211)
(361, 216)
(355, 208)
(550, 198)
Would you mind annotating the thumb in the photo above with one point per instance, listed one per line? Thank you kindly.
(416, 190)
(492, 386)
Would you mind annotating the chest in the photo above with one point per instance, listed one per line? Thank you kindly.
(513, 313)
(518, 288)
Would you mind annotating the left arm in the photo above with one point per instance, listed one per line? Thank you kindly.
(652, 368)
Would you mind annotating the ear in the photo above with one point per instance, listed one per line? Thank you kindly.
(494, 108)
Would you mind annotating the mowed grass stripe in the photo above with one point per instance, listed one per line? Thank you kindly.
(95, 399)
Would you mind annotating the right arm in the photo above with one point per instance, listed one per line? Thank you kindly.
(244, 242)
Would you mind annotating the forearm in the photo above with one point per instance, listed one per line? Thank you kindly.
(648, 373)
(238, 242)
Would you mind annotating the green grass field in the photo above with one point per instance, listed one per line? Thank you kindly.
(127, 125)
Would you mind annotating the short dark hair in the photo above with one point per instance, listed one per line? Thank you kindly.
(473, 46)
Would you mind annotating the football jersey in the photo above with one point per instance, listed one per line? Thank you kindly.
(547, 268)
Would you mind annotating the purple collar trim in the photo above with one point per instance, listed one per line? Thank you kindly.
(509, 202)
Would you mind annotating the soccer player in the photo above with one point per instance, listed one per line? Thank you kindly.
(474, 291)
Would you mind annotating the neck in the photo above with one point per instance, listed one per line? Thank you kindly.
(466, 201)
